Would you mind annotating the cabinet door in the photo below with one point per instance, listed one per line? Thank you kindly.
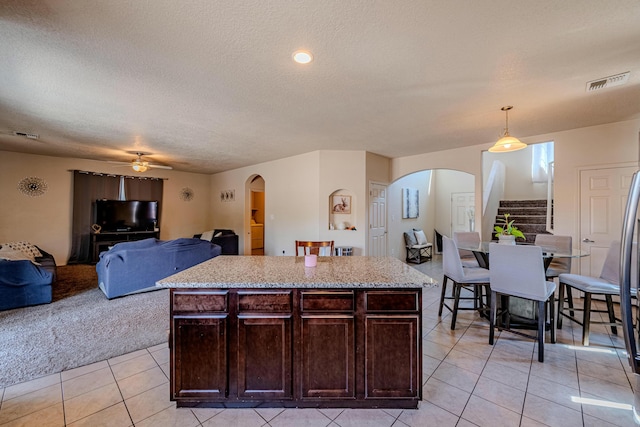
(199, 362)
(328, 356)
(392, 366)
(265, 356)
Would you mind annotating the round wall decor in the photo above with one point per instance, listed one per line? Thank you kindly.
(186, 194)
(32, 186)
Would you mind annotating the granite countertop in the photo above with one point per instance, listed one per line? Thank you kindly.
(230, 271)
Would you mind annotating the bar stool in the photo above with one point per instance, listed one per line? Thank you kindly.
(474, 279)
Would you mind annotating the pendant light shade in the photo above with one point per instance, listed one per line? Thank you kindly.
(507, 142)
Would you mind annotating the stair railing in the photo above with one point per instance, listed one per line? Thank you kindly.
(492, 194)
(549, 225)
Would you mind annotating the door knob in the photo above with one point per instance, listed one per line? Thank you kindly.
(587, 240)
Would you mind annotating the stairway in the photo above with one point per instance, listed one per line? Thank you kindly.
(530, 217)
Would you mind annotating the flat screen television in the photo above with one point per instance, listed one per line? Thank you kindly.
(126, 215)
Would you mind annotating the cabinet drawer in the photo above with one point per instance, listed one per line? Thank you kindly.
(271, 302)
(398, 301)
(327, 301)
(199, 301)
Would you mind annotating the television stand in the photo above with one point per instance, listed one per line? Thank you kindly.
(102, 241)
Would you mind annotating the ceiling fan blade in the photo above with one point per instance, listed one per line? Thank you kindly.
(153, 166)
(130, 164)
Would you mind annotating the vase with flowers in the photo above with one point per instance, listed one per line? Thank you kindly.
(507, 232)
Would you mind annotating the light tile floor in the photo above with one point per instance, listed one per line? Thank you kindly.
(466, 383)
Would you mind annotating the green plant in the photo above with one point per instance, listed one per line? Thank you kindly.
(508, 228)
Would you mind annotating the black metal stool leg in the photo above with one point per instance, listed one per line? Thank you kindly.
(561, 304)
(586, 319)
(612, 315)
(442, 294)
(541, 322)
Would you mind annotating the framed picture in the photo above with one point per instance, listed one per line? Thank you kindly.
(227, 195)
(410, 203)
(340, 204)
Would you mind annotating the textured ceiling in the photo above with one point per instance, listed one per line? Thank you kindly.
(208, 86)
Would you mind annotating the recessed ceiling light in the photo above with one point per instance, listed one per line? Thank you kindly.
(302, 56)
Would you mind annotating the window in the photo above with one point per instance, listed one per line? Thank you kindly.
(541, 157)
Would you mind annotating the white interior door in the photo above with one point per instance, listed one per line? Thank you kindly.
(461, 205)
(377, 220)
(603, 198)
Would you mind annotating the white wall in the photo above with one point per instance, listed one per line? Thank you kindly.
(297, 193)
(435, 189)
(610, 144)
(518, 185)
(445, 183)
(378, 168)
(344, 170)
(46, 220)
(397, 225)
(291, 202)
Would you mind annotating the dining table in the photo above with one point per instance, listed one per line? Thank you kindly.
(521, 312)
(481, 252)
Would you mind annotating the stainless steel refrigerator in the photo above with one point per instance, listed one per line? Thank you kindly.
(629, 285)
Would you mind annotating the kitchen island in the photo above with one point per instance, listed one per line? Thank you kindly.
(255, 331)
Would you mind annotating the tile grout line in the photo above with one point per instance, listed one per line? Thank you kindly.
(480, 376)
(124, 402)
(451, 385)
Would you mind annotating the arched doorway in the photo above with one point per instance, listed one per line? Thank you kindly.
(255, 215)
(437, 191)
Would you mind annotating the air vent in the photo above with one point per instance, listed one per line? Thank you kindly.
(26, 135)
(607, 82)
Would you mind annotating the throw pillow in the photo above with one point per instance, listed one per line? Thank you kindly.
(420, 237)
(410, 239)
(207, 235)
(26, 248)
(13, 255)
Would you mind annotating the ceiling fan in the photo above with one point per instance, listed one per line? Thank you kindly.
(139, 165)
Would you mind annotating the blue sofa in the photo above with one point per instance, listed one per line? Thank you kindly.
(133, 267)
(23, 283)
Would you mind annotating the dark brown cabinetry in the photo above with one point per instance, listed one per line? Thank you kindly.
(392, 344)
(295, 347)
(328, 344)
(199, 344)
(264, 350)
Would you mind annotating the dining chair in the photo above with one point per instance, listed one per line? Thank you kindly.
(467, 238)
(518, 271)
(474, 279)
(319, 248)
(555, 243)
(607, 285)
(560, 244)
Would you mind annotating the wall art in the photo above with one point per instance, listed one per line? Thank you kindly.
(410, 203)
(186, 194)
(227, 195)
(32, 186)
(340, 204)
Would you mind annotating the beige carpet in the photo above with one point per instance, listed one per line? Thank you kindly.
(79, 327)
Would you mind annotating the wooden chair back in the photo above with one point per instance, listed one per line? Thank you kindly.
(314, 248)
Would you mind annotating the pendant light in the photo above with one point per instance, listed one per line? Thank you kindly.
(507, 142)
